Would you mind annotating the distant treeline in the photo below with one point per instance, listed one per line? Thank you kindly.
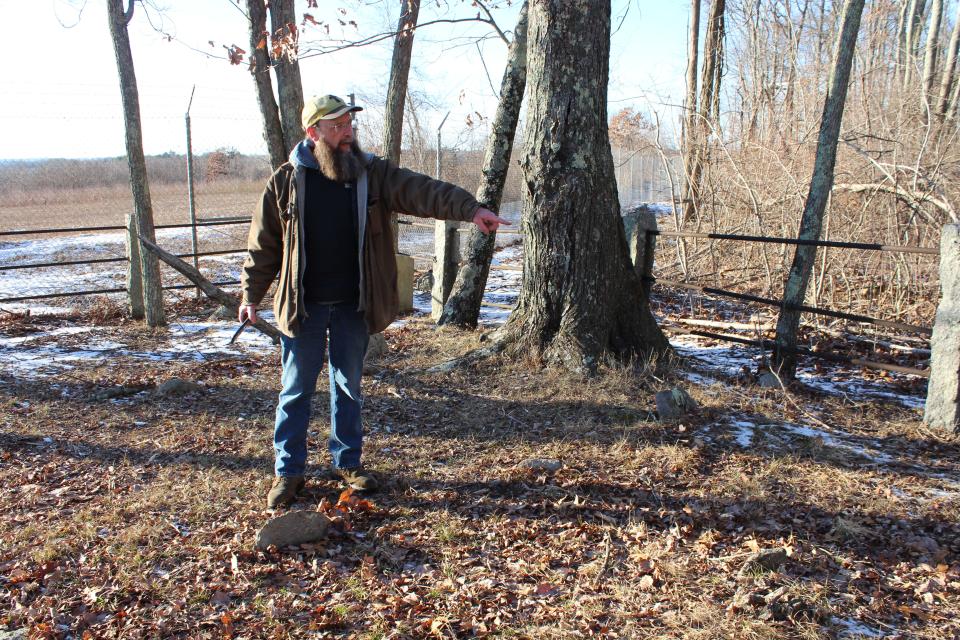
(18, 176)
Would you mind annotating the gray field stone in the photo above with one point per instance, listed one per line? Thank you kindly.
(768, 380)
(942, 410)
(293, 528)
(543, 465)
(178, 387)
(674, 403)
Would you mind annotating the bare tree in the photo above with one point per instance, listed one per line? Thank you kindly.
(286, 39)
(914, 25)
(260, 72)
(580, 297)
(463, 305)
(397, 91)
(949, 69)
(690, 120)
(142, 206)
(707, 107)
(821, 183)
(932, 50)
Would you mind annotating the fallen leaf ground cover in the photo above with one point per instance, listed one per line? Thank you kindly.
(131, 514)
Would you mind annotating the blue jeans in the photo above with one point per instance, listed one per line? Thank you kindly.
(302, 358)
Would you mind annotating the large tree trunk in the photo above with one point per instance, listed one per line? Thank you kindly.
(142, 207)
(260, 71)
(931, 52)
(821, 183)
(580, 299)
(707, 106)
(397, 91)
(463, 305)
(283, 22)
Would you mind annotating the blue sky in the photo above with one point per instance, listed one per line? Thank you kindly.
(61, 96)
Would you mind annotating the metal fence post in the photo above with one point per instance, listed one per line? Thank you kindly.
(190, 190)
(134, 274)
(942, 410)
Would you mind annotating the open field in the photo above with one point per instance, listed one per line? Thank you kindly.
(767, 514)
(107, 205)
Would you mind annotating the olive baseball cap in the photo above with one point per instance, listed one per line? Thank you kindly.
(327, 107)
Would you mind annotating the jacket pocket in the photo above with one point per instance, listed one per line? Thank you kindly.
(374, 220)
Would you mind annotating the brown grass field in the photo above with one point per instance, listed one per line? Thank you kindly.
(107, 205)
(130, 515)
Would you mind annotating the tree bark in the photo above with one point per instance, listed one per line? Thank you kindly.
(397, 91)
(820, 186)
(283, 22)
(914, 27)
(930, 54)
(707, 105)
(580, 298)
(260, 72)
(142, 206)
(690, 122)
(463, 306)
(949, 69)
(903, 29)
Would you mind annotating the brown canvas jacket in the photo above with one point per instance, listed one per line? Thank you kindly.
(275, 241)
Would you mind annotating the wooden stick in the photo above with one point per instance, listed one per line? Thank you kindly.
(211, 290)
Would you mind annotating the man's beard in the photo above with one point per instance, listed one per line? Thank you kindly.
(338, 165)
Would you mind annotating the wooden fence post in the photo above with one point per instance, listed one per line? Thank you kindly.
(134, 274)
(942, 410)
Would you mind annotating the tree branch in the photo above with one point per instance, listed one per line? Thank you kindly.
(915, 198)
(211, 290)
(492, 22)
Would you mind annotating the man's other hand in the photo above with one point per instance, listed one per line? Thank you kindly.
(487, 220)
(247, 311)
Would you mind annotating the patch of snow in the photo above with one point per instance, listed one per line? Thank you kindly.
(832, 440)
(848, 385)
(699, 379)
(856, 629)
(744, 433)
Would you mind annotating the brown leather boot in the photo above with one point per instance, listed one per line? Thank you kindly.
(284, 491)
(358, 478)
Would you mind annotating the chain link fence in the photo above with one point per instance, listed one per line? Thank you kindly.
(61, 221)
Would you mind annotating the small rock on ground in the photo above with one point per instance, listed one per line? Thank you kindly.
(293, 528)
(178, 387)
(761, 561)
(674, 403)
(376, 348)
(546, 465)
(768, 380)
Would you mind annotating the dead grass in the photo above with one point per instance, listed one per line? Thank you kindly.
(135, 516)
(107, 205)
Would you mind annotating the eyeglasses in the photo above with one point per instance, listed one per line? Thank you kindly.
(343, 126)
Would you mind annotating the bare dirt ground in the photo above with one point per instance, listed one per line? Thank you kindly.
(129, 514)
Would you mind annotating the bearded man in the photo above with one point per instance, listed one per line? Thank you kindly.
(323, 225)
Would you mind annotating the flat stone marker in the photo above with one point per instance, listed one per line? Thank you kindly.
(942, 410)
(673, 404)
